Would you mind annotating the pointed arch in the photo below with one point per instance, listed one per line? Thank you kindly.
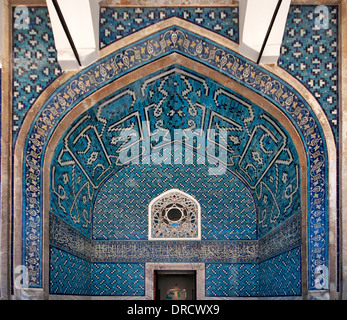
(121, 63)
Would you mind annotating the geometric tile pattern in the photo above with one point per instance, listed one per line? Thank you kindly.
(232, 280)
(71, 275)
(116, 23)
(63, 236)
(35, 63)
(120, 279)
(278, 276)
(310, 54)
(313, 61)
(68, 273)
(224, 279)
(281, 275)
(269, 168)
(283, 177)
(121, 207)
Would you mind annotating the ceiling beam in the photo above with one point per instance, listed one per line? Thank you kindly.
(269, 30)
(75, 27)
(66, 30)
(261, 27)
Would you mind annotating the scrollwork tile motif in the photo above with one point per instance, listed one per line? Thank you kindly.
(175, 251)
(284, 237)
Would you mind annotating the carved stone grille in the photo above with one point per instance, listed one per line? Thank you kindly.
(174, 215)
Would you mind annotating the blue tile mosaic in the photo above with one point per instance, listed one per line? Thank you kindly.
(286, 236)
(310, 54)
(64, 237)
(116, 23)
(234, 206)
(227, 62)
(121, 207)
(76, 186)
(278, 276)
(178, 251)
(68, 273)
(263, 180)
(118, 279)
(283, 238)
(232, 280)
(281, 275)
(35, 63)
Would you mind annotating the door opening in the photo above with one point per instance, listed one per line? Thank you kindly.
(174, 285)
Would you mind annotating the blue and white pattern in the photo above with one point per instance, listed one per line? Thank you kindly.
(68, 273)
(116, 23)
(287, 156)
(121, 207)
(121, 193)
(308, 54)
(232, 280)
(266, 173)
(120, 279)
(281, 275)
(35, 63)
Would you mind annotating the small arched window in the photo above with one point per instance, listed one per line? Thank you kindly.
(174, 215)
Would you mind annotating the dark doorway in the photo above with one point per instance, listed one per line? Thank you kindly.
(169, 279)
